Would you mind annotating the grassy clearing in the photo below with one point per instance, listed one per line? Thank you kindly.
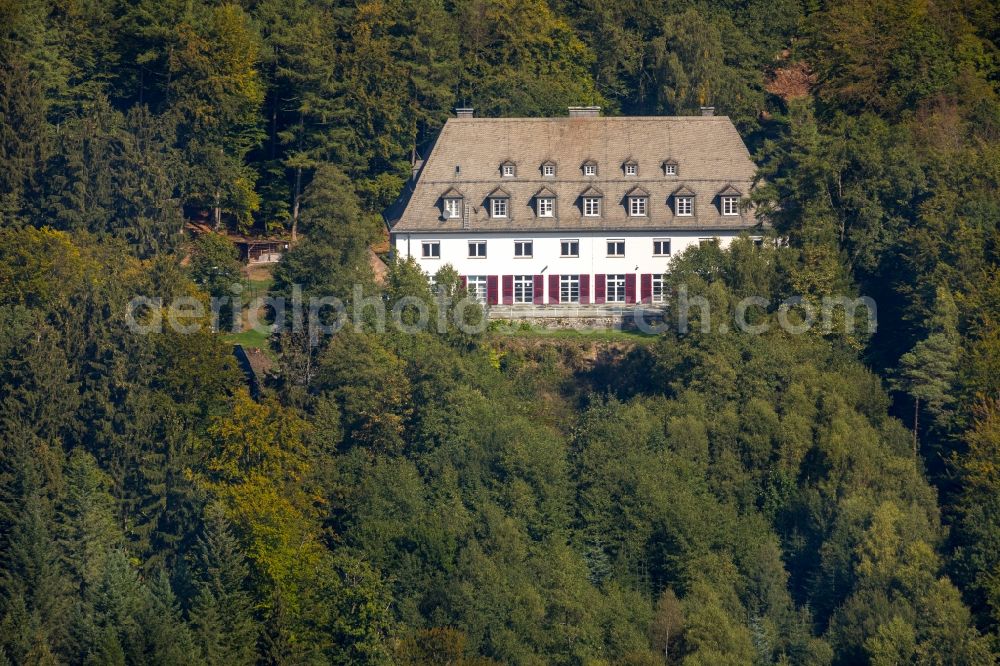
(256, 286)
(250, 339)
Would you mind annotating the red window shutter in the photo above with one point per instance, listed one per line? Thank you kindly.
(508, 289)
(630, 287)
(600, 288)
(539, 289)
(584, 289)
(553, 288)
(465, 281)
(647, 287)
(491, 289)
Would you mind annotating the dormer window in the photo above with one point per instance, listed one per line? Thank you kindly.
(631, 167)
(590, 202)
(638, 202)
(499, 200)
(683, 202)
(549, 169)
(452, 204)
(729, 201)
(669, 168)
(498, 207)
(590, 168)
(545, 203)
(508, 169)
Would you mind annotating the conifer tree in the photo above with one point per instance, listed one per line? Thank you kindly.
(221, 617)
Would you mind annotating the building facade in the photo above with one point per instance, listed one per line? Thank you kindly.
(572, 211)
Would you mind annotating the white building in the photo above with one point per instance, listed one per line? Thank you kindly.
(576, 210)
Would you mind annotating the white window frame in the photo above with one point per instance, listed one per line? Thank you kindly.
(508, 170)
(499, 206)
(638, 206)
(546, 207)
(573, 246)
(730, 205)
(589, 169)
(569, 288)
(592, 206)
(549, 170)
(685, 206)
(426, 245)
(452, 208)
(523, 245)
(631, 169)
(658, 251)
(658, 289)
(614, 288)
(477, 249)
(714, 240)
(476, 285)
(524, 289)
(670, 169)
(619, 243)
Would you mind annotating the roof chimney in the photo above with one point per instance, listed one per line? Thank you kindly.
(584, 111)
(708, 110)
(464, 112)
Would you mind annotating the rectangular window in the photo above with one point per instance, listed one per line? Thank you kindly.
(707, 241)
(453, 208)
(508, 170)
(659, 291)
(549, 170)
(685, 205)
(499, 207)
(637, 206)
(730, 205)
(592, 206)
(524, 288)
(477, 249)
(615, 289)
(661, 247)
(569, 248)
(523, 249)
(589, 169)
(569, 288)
(616, 248)
(757, 241)
(631, 169)
(545, 207)
(430, 249)
(670, 169)
(476, 286)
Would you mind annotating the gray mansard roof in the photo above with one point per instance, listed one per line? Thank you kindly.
(711, 159)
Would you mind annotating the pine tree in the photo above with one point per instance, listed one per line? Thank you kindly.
(221, 616)
(164, 639)
(88, 533)
(34, 589)
(928, 373)
(309, 123)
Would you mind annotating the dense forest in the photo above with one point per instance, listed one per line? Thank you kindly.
(447, 497)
